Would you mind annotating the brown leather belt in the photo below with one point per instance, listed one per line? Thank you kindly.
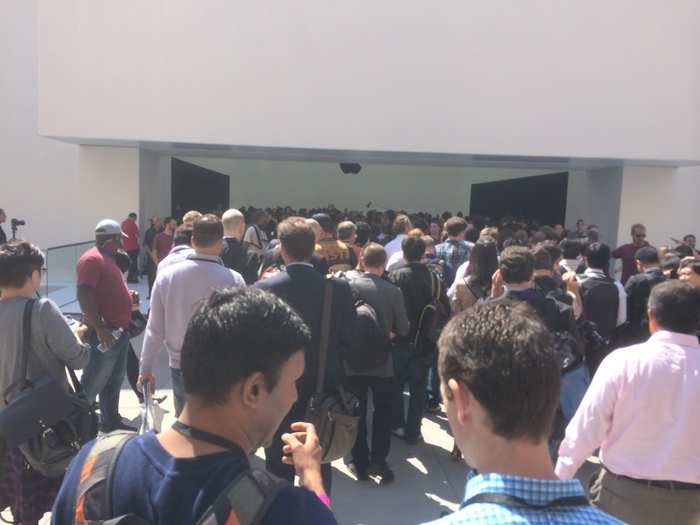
(661, 484)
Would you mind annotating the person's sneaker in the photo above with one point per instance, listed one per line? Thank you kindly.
(383, 471)
(399, 432)
(360, 474)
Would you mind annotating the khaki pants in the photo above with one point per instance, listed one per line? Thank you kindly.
(639, 504)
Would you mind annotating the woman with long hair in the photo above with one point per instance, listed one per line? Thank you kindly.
(476, 285)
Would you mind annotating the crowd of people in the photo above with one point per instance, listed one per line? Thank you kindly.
(520, 333)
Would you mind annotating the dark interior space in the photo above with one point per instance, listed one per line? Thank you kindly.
(197, 188)
(540, 198)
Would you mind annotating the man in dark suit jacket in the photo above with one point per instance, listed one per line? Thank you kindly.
(638, 288)
(235, 254)
(302, 287)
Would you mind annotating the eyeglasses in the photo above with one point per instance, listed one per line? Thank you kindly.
(642, 235)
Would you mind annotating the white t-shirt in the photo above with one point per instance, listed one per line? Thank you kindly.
(256, 238)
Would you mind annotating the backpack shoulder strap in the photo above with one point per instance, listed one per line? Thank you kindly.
(94, 494)
(246, 500)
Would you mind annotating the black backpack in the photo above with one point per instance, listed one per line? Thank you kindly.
(245, 500)
(432, 318)
(372, 344)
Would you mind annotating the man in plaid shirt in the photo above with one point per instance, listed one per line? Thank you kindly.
(455, 250)
(500, 384)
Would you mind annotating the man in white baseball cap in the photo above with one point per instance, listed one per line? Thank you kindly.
(106, 306)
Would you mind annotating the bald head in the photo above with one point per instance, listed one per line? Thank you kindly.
(234, 223)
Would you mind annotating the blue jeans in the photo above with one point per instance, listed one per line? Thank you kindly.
(411, 368)
(104, 376)
(178, 390)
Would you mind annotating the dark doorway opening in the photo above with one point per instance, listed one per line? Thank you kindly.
(197, 188)
(541, 198)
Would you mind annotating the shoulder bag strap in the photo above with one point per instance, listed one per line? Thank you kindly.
(26, 337)
(325, 332)
(246, 500)
(513, 501)
(24, 351)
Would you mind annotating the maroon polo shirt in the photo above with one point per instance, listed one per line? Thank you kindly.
(629, 265)
(162, 244)
(99, 271)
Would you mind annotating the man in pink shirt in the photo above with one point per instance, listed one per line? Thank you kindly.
(130, 243)
(642, 410)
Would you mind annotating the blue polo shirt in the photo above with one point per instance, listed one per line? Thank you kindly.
(164, 490)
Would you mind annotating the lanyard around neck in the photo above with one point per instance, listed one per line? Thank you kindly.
(207, 437)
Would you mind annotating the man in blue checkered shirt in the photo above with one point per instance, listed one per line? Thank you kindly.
(455, 250)
(500, 384)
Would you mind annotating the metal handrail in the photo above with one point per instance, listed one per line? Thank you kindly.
(48, 266)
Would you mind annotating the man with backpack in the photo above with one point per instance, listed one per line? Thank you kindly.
(604, 298)
(198, 470)
(422, 292)
(381, 314)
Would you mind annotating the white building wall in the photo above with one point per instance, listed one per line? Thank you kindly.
(665, 200)
(38, 176)
(516, 77)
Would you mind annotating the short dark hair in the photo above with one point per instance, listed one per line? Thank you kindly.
(505, 356)
(517, 264)
(18, 260)
(685, 237)
(553, 250)
(647, 255)
(364, 231)
(325, 221)
(676, 306)
(297, 238)
(167, 220)
(133, 215)
(455, 225)
(207, 230)
(570, 248)
(598, 255)
(637, 226)
(413, 248)
(235, 333)
(542, 259)
(401, 224)
(183, 236)
(374, 255)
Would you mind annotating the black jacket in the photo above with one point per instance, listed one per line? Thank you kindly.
(416, 285)
(238, 257)
(638, 288)
(556, 315)
(302, 287)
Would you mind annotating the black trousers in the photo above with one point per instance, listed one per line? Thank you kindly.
(151, 274)
(383, 400)
(132, 372)
(133, 275)
(273, 454)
